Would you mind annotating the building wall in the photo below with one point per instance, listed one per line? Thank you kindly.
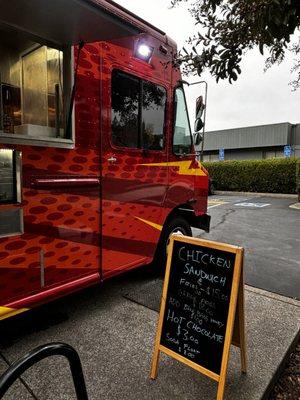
(296, 140)
(257, 142)
(235, 155)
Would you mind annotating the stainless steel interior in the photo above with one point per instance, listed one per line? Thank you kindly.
(31, 85)
(30, 74)
(7, 176)
(11, 219)
(11, 222)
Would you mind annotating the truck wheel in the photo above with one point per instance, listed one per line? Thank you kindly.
(176, 225)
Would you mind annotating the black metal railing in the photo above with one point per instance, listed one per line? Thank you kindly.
(52, 349)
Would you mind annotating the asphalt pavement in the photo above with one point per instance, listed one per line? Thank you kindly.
(114, 336)
(269, 230)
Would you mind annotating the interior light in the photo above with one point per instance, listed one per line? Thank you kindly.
(144, 52)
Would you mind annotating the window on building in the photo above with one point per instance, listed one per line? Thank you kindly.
(214, 157)
(182, 139)
(138, 112)
(270, 154)
(34, 87)
(279, 154)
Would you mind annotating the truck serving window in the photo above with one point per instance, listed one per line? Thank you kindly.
(138, 112)
(33, 86)
(7, 177)
(182, 139)
(11, 218)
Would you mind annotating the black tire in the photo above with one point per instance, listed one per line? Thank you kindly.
(178, 224)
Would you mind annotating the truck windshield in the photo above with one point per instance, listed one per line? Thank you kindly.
(182, 139)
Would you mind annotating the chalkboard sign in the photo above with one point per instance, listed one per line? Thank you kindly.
(201, 290)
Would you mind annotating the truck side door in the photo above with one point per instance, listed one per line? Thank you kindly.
(133, 192)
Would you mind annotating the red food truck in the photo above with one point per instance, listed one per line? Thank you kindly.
(97, 162)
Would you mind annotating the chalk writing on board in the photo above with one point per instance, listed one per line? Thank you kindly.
(197, 303)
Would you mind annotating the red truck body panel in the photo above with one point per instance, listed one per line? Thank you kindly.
(87, 218)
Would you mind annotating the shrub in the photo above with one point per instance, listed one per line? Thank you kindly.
(272, 175)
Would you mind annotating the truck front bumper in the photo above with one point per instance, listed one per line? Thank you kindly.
(202, 222)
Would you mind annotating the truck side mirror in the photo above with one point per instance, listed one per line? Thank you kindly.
(198, 125)
(197, 138)
(200, 106)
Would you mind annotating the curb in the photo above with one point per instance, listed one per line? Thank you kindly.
(295, 206)
(254, 194)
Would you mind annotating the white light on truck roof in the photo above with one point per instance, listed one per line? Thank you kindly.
(144, 52)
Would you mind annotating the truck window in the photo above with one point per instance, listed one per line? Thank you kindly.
(11, 218)
(182, 139)
(7, 176)
(125, 110)
(33, 88)
(138, 112)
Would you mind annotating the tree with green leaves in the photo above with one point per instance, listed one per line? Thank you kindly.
(228, 28)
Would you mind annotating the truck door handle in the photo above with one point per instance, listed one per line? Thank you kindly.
(112, 160)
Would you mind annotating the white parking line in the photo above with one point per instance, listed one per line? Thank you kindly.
(216, 203)
(255, 205)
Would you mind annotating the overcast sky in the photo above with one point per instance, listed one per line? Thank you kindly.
(256, 98)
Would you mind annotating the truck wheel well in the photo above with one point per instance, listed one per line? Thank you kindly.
(187, 212)
(177, 214)
(183, 210)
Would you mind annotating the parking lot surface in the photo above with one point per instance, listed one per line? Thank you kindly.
(114, 336)
(269, 230)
